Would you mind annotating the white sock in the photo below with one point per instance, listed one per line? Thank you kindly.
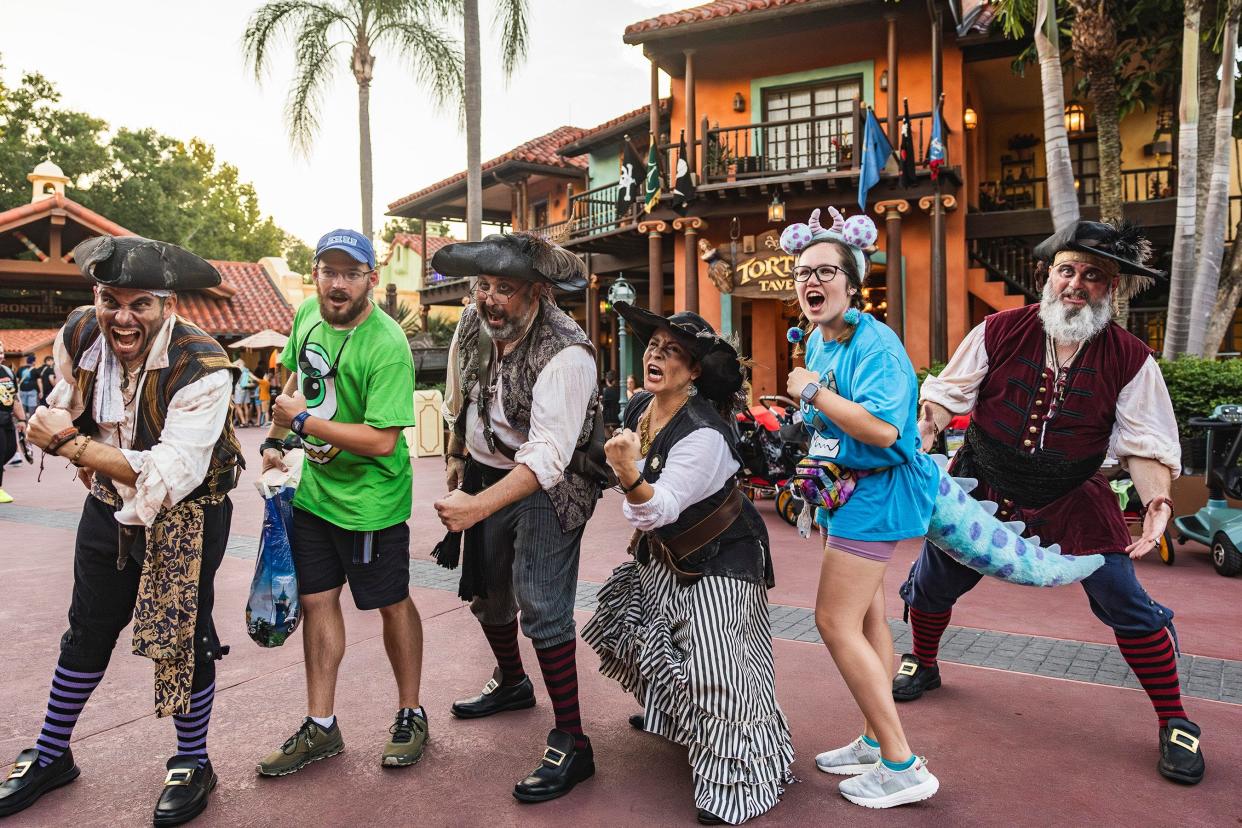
(325, 722)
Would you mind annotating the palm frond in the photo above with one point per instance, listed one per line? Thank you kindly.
(434, 56)
(514, 33)
(271, 24)
(314, 68)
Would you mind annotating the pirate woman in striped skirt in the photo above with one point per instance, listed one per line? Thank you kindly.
(684, 626)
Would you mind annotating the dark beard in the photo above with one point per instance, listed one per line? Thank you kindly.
(351, 312)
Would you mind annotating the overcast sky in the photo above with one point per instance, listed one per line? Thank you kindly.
(177, 66)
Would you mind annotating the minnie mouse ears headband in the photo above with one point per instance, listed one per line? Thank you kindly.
(857, 232)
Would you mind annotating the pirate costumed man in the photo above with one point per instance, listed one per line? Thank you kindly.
(684, 625)
(1053, 388)
(521, 398)
(142, 411)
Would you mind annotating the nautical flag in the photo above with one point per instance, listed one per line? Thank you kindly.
(935, 150)
(629, 184)
(875, 153)
(683, 182)
(909, 176)
(653, 177)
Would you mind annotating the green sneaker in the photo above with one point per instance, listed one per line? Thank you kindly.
(409, 736)
(309, 744)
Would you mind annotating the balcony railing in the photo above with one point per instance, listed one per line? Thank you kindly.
(1143, 184)
(595, 211)
(771, 148)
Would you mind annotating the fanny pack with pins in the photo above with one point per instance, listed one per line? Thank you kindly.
(822, 484)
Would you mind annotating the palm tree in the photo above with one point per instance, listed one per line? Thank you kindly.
(1181, 279)
(1207, 276)
(317, 28)
(1095, 49)
(511, 17)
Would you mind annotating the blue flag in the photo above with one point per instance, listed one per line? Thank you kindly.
(875, 154)
(935, 150)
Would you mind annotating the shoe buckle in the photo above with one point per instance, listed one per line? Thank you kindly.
(908, 668)
(179, 776)
(1182, 739)
(19, 769)
(491, 687)
(555, 758)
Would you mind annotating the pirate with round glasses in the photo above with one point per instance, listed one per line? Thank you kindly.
(350, 395)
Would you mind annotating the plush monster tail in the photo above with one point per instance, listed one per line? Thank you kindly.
(969, 533)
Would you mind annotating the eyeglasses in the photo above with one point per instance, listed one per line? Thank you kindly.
(327, 274)
(824, 273)
(500, 293)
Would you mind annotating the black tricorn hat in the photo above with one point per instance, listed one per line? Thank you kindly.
(143, 264)
(525, 256)
(1123, 244)
(721, 374)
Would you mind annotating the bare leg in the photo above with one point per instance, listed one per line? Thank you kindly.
(847, 591)
(880, 637)
(323, 641)
(403, 639)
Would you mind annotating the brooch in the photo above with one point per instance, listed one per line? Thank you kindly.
(655, 463)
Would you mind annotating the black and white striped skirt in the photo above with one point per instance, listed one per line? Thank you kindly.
(699, 661)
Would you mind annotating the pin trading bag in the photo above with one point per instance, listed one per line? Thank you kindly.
(273, 609)
(822, 484)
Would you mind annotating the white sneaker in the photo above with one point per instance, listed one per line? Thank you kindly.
(880, 787)
(856, 757)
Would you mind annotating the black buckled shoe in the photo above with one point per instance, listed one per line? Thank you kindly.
(706, 817)
(496, 699)
(563, 766)
(186, 790)
(1180, 757)
(27, 781)
(913, 679)
(638, 721)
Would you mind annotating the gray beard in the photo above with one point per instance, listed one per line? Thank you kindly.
(1073, 324)
(512, 329)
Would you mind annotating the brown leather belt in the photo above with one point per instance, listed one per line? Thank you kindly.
(676, 549)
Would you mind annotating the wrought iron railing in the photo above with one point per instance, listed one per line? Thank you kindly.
(595, 211)
(769, 148)
(1148, 325)
(1143, 184)
(1009, 260)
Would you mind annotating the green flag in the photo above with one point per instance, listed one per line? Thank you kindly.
(653, 178)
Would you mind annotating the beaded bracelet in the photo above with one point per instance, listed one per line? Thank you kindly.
(1156, 501)
(77, 455)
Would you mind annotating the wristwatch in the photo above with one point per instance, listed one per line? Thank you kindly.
(272, 443)
(808, 393)
(299, 422)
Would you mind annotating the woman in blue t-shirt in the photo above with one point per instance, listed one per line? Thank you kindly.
(859, 398)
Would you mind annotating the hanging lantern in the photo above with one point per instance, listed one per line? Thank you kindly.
(1075, 117)
(776, 210)
(970, 118)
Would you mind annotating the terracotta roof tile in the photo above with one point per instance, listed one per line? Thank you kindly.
(707, 11)
(642, 112)
(83, 215)
(26, 340)
(256, 305)
(541, 150)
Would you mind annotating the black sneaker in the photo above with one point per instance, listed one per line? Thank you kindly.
(913, 679)
(1180, 757)
(27, 781)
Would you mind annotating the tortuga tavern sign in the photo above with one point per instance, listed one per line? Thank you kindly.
(768, 273)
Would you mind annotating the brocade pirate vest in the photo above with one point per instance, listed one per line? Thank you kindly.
(574, 497)
(192, 355)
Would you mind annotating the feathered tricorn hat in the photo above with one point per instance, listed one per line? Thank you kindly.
(525, 256)
(1124, 245)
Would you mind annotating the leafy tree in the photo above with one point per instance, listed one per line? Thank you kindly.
(299, 255)
(318, 27)
(411, 226)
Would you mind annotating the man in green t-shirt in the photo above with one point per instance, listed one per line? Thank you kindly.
(350, 396)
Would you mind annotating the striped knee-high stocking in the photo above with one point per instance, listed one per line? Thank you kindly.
(927, 628)
(70, 690)
(1154, 661)
(192, 726)
(560, 673)
(503, 639)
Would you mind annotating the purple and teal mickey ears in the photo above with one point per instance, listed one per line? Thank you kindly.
(859, 232)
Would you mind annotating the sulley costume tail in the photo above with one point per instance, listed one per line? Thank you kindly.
(969, 533)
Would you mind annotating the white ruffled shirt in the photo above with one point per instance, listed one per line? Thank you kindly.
(698, 466)
(1145, 425)
(178, 463)
(558, 407)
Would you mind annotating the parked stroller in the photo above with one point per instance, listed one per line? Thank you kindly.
(772, 442)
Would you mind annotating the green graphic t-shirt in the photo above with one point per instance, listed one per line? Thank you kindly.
(362, 375)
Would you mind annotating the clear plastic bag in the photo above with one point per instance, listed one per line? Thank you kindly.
(273, 609)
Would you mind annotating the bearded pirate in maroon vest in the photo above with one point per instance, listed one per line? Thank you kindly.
(521, 397)
(142, 411)
(1053, 389)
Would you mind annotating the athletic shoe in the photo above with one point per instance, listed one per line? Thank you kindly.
(409, 736)
(856, 757)
(5, 497)
(310, 744)
(881, 787)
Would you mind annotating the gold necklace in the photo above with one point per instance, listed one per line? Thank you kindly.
(645, 437)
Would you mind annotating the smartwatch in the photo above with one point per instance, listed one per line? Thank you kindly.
(808, 393)
(299, 422)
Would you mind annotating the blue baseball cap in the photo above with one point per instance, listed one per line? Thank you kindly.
(351, 241)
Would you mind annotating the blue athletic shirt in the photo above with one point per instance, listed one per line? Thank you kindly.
(872, 369)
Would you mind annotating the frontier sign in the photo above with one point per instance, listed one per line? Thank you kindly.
(768, 274)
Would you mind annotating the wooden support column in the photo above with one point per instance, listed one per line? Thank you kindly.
(423, 258)
(938, 330)
(654, 119)
(655, 231)
(691, 126)
(895, 292)
(691, 225)
(592, 311)
(894, 133)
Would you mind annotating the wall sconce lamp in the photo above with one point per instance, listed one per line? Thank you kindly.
(776, 210)
(884, 81)
(1075, 117)
(970, 118)
(739, 102)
